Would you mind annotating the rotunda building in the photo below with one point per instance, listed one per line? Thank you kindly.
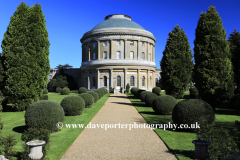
(118, 51)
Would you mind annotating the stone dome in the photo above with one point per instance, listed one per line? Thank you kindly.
(117, 20)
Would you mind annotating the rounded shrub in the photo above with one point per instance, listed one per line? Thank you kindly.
(193, 93)
(99, 93)
(132, 89)
(156, 90)
(102, 90)
(143, 95)
(73, 105)
(139, 92)
(65, 91)
(149, 99)
(88, 98)
(190, 111)
(95, 95)
(82, 90)
(58, 90)
(235, 102)
(164, 104)
(44, 114)
(45, 91)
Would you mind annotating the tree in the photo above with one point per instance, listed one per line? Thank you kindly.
(61, 81)
(213, 72)
(176, 63)
(25, 54)
(234, 44)
(62, 67)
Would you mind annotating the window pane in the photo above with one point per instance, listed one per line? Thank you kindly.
(105, 55)
(118, 55)
(131, 81)
(143, 55)
(93, 44)
(131, 55)
(93, 80)
(94, 55)
(131, 43)
(118, 81)
(142, 44)
(104, 43)
(143, 81)
(105, 81)
(118, 43)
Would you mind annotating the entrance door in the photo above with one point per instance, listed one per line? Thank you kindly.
(118, 82)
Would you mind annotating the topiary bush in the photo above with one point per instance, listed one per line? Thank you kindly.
(139, 92)
(45, 91)
(149, 99)
(156, 90)
(102, 91)
(222, 143)
(65, 91)
(44, 114)
(127, 88)
(58, 90)
(95, 95)
(33, 134)
(82, 90)
(134, 91)
(73, 105)
(143, 95)
(193, 93)
(99, 93)
(235, 102)
(110, 89)
(44, 97)
(190, 111)
(164, 104)
(88, 98)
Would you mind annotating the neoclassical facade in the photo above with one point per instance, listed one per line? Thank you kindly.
(116, 52)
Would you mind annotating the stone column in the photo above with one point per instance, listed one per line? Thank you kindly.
(111, 49)
(111, 72)
(125, 77)
(125, 48)
(148, 79)
(138, 77)
(154, 79)
(89, 52)
(147, 54)
(88, 82)
(107, 83)
(138, 52)
(98, 78)
(98, 49)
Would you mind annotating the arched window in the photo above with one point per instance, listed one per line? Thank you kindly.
(150, 81)
(94, 55)
(132, 81)
(143, 55)
(131, 55)
(143, 81)
(118, 81)
(105, 80)
(93, 81)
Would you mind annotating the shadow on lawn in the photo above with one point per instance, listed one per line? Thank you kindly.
(185, 153)
(20, 129)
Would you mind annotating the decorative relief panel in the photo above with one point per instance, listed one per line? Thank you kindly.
(143, 72)
(150, 74)
(104, 73)
(131, 72)
(118, 72)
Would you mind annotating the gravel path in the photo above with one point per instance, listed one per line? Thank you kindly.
(118, 143)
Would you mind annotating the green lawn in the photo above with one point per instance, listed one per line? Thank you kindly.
(180, 143)
(14, 124)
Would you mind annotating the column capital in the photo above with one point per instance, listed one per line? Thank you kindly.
(111, 40)
(125, 68)
(97, 69)
(98, 41)
(138, 40)
(125, 39)
(138, 69)
(111, 68)
(148, 69)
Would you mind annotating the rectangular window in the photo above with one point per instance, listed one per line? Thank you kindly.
(93, 44)
(142, 44)
(143, 55)
(104, 43)
(131, 55)
(94, 55)
(118, 55)
(118, 43)
(105, 55)
(131, 43)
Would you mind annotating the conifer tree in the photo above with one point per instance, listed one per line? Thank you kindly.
(234, 45)
(25, 53)
(176, 63)
(213, 72)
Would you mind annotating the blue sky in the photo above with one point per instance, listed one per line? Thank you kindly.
(68, 20)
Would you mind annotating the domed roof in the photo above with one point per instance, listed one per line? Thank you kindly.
(117, 20)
